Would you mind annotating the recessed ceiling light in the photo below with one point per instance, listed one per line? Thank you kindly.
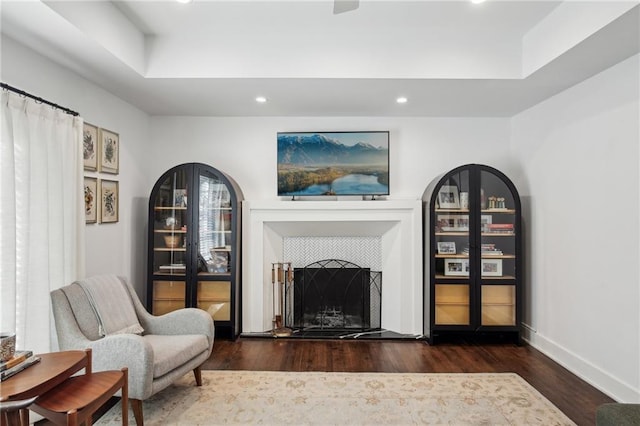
(184, 1)
(477, 1)
(261, 99)
(402, 100)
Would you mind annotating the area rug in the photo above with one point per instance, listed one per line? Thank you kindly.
(316, 398)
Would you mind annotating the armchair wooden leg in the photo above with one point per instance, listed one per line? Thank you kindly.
(136, 406)
(198, 374)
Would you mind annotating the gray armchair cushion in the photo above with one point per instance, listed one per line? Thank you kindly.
(169, 351)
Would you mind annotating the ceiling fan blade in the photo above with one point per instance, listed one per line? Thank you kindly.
(341, 6)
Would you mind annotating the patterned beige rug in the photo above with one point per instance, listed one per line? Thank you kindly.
(313, 398)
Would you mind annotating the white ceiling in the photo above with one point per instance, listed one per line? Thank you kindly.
(212, 58)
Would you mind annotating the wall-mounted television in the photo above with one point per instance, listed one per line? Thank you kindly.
(333, 163)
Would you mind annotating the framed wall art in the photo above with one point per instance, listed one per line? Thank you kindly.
(90, 200)
(109, 151)
(109, 201)
(90, 146)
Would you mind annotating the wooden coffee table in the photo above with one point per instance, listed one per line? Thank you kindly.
(57, 393)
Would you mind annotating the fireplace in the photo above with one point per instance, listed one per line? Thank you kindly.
(333, 297)
(330, 229)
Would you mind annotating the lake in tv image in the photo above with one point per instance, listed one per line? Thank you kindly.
(333, 163)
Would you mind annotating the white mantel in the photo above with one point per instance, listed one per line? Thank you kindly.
(397, 222)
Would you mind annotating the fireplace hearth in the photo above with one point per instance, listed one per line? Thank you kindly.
(332, 298)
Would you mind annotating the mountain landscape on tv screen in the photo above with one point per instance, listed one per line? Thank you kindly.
(316, 164)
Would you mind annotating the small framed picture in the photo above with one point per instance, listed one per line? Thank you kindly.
(446, 247)
(491, 267)
(90, 146)
(448, 197)
(109, 201)
(90, 200)
(109, 151)
(459, 267)
(453, 222)
(180, 198)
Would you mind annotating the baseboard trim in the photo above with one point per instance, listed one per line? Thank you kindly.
(596, 377)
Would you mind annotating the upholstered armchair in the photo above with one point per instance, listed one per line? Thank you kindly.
(105, 314)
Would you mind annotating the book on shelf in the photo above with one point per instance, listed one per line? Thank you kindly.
(17, 358)
(497, 228)
(173, 267)
(18, 368)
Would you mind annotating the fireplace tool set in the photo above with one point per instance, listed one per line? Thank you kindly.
(280, 278)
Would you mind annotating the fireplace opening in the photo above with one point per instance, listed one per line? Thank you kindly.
(333, 298)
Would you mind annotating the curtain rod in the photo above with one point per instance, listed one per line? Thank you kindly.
(38, 99)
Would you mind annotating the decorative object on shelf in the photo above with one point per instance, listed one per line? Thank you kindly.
(448, 197)
(90, 199)
(172, 222)
(464, 200)
(7, 346)
(109, 201)
(172, 241)
(446, 247)
(90, 146)
(109, 151)
(281, 277)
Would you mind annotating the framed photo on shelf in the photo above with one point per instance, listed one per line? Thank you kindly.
(491, 267)
(109, 201)
(90, 199)
(90, 146)
(109, 151)
(180, 198)
(449, 197)
(446, 247)
(456, 267)
(453, 222)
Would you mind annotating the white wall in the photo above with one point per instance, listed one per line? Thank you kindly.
(245, 148)
(578, 158)
(111, 248)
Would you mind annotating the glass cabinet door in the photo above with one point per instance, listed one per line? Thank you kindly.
(452, 268)
(498, 252)
(169, 249)
(215, 248)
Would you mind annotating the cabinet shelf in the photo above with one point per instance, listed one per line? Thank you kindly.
(452, 234)
(499, 211)
(452, 211)
(169, 231)
(169, 208)
(169, 249)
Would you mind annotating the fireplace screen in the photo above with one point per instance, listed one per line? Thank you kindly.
(334, 295)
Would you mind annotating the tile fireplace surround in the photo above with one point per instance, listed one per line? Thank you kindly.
(397, 223)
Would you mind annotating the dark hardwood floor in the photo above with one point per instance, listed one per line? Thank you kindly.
(576, 398)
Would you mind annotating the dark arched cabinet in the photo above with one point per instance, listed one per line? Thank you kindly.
(473, 254)
(194, 245)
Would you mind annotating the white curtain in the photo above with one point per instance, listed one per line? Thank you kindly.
(41, 215)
